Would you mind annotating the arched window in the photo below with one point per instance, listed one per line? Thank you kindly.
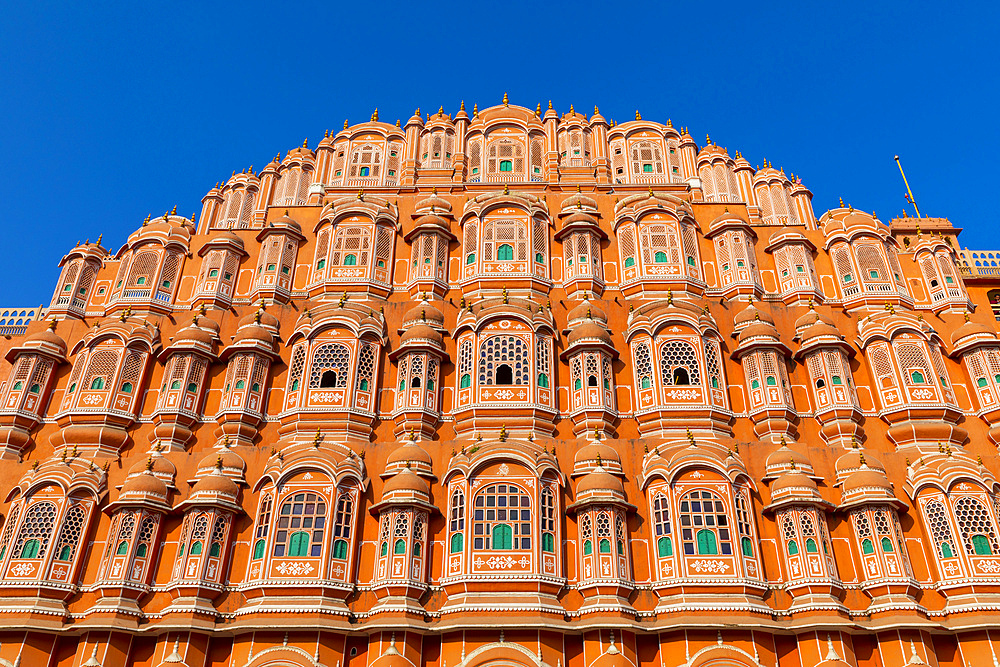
(704, 524)
(937, 519)
(457, 523)
(300, 528)
(36, 531)
(98, 383)
(976, 527)
(661, 523)
(502, 518)
(328, 380)
(331, 358)
(503, 352)
(586, 530)
(548, 520)
(676, 355)
(342, 527)
(505, 252)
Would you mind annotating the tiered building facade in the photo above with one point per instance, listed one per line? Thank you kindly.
(511, 387)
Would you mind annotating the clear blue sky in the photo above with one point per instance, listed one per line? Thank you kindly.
(111, 111)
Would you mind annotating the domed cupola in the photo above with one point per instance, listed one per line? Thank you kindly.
(601, 509)
(826, 356)
(597, 454)
(430, 236)
(735, 255)
(279, 246)
(182, 393)
(404, 512)
(409, 456)
(785, 459)
(591, 353)
(418, 360)
(29, 386)
(581, 237)
(765, 365)
(793, 261)
(248, 363)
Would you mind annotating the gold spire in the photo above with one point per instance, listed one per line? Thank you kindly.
(506, 100)
(638, 116)
(538, 109)
(375, 115)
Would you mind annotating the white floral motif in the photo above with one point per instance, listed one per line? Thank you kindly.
(93, 399)
(23, 569)
(294, 569)
(500, 562)
(714, 566)
(683, 394)
(503, 469)
(988, 566)
(923, 394)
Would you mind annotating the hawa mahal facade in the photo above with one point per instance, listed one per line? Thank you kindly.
(509, 387)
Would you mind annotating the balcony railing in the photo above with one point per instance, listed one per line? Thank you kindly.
(984, 263)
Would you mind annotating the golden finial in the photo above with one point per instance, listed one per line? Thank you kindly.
(670, 297)
(397, 123)
(506, 101)
(441, 110)
(506, 190)
(149, 463)
(841, 202)
(966, 316)
(375, 115)
(572, 110)
(256, 317)
(708, 140)
(475, 109)
(345, 127)
(361, 195)
(638, 116)
(670, 123)
(550, 104)
(503, 433)
(597, 436)
(461, 106)
(538, 109)
(505, 294)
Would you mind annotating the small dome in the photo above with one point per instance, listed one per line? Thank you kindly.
(143, 484)
(867, 479)
(596, 451)
(785, 457)
(155, 464)
(751, 314)
(215, 484)
(194, 335)
(820, 329)
(286, 221)
(758, 329)
(810, 318)
(971, 329)
(579, 217)
(438, 203)
(727, 218)
(406, 481)
(856, 459)
(265, 319)
(792, 482)
(420, 333)
(46, 338)
(254, 333)
(425, 313)
(599, 480)
(589, 331)
(230, 461)
(411, 452)
(586, 311)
